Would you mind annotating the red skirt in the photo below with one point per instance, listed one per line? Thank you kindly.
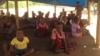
(59, 44)
(42, 30)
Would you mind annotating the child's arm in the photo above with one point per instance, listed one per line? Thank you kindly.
(12, 45)
(10, 51)
(31, 49)
(47, 27)
(53, 42)
(28, 43)
(65, 44)
(53, 37)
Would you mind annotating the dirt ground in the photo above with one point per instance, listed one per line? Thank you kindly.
(86, 47)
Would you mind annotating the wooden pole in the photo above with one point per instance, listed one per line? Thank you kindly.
(55, 6)
(16, 13)
(98, 26)
(27, 7)
(7, 6)
(89, 11)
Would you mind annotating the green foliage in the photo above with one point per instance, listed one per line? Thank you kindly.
(95, 4)
(3, 6)
(22, 4)
(11, 4)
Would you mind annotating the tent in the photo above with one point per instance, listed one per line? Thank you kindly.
(64, 2)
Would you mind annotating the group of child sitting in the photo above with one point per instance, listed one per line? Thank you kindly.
(19, 45)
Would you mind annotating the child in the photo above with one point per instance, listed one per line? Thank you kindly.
(20, 44)
(76, 31)
(9, 29)
(58, 39)
(53, 20)
(42, 27)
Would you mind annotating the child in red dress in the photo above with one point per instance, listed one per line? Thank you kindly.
(42, 27)
(58, 39)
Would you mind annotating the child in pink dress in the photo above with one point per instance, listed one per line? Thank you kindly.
(76, 31)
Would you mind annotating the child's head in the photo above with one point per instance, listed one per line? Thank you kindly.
(33, 14)
(77, 2)
(20, 34)
(42, 20)
(64, 18)
(71, 12)
(54, 14)
(47, 14)
(59, 26)
(77, 20)
(8, 22)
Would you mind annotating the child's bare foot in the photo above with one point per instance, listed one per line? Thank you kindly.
(35, 51)
(71, 49)
(67, 52)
